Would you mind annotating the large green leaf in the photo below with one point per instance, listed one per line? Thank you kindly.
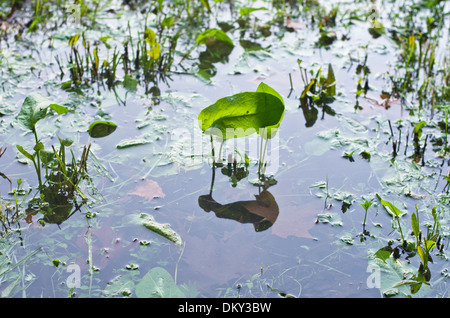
(35, 108)
(243, 114)
(158, 283)
(270, 132)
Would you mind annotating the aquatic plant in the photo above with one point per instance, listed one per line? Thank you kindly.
(422, 245)
(147, 60)
(318, 91)
(60, 184)
(34, 108)
(63, 179)
(244, 114)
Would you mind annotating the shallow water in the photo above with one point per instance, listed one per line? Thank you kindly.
(299, 254)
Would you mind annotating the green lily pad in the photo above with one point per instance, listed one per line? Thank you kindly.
(101, 128)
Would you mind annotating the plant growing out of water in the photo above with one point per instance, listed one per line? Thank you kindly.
(366, 205)
(235, 170)
(417, 134)
(2, 151)
(151, 57)
(34, 108)
(422, 245)
(394, 212)
(425, 243)
(62, 179)
(244, 114)
(319, 90)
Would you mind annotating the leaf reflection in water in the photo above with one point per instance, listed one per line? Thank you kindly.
(262, 212)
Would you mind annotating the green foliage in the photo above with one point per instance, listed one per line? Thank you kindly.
(320, 87)
(101, 128)
(390, 208)
(61, 178)
(246, 10)
(34, 108)
(158, 283)
(423, 245)
(393, 211)
(243, 114)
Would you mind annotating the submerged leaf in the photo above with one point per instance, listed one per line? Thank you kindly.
(132, 143)
(162, 229)
(158, 283)
(149, 189)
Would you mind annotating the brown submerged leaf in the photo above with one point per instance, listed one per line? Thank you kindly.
(148, 189)
(297, 220)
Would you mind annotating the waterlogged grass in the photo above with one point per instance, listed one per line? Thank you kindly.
(106, 170)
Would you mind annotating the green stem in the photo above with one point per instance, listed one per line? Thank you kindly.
(400, 228)
(38, 164)
(365, 216)
(212, 151)
(262, 155)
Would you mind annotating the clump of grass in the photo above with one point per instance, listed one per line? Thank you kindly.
(150, 60)
(423, 244)
(57, 199)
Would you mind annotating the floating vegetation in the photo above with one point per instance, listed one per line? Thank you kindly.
(162, 229)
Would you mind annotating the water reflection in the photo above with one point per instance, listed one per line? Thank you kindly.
(57, 208)
(261, 212)
(216, 52)
(311, 112)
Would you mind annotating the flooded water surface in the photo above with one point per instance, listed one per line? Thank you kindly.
(111, 186)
